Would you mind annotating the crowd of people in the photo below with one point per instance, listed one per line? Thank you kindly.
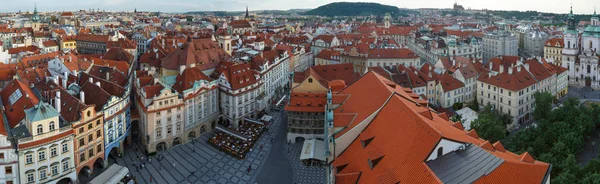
(235, 146)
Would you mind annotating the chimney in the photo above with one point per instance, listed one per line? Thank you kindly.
(75, 73)
(91, 80)
(430, 75)
(82, 96)
(156, 55)
(490, 65)
(181, 69)
(107, 75)
(57, 101)
(489, 74)
(501, 69)
(453, 62)
(519, 68)
(526, 66)
(163, 42)
(66, 76)
(510, 71)
(98, 84)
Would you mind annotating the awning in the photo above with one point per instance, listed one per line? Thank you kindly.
(266, 118)
(313, 149)
(114, 174)
(254, 121)
(223, 129)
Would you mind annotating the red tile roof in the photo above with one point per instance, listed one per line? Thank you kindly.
(392, 53)
(400, 148)
(238, 75)
(204, 53)
(15, 112)
(185, 80)
(50, 43)
(92, 38)
(555, 42)
(307, 102)
(30, 48)
(449, 83)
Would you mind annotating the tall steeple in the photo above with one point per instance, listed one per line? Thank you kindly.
(247, 15)
(571, 20)
(36, 16)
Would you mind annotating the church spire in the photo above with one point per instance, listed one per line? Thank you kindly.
(247, 15)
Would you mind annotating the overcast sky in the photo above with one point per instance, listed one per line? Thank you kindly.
(556, 6)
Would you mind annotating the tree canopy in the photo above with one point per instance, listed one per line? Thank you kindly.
(489, 125)
(559, 135)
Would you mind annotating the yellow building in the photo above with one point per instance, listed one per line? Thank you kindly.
(67, 42)
(553, 50)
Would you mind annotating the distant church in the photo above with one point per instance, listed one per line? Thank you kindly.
(458, 7)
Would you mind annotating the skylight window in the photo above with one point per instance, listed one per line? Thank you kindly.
(14, 97)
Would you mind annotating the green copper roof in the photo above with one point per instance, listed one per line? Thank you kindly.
(41, 111)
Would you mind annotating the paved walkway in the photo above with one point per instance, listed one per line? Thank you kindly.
(302, 173)
(277, 169)
(200, 162)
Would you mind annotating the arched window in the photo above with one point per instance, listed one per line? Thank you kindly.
(589, 69)
(40, 129)
(440, 152)
(568, 44)
(591, 44)
(52, 126)
(310, 80)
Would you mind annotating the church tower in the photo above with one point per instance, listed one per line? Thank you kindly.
(594, 20)
(387, 20)
(571, 44)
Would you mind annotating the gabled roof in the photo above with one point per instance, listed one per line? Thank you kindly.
(92, 38)
(204, 53)
(238, 75)
(186, 80)
(402, 136)
(326, 73)
(449, 83)
(16, 97)
(307, 102)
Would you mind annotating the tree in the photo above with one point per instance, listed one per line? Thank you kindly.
(456, 118)
(543, 105)
(489, 127)
(474, 105)
(457, 106)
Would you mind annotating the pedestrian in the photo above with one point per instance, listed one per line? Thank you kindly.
(261, 146)
(249, 168)
(149, 159)
(150, 179)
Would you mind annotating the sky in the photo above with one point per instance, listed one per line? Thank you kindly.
(555, 6)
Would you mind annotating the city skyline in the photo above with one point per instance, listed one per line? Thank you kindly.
(552, 6)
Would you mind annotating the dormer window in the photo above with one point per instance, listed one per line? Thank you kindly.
(310, 80)
(40, 129)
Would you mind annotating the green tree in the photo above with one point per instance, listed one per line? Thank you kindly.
(474, 105)
(543, 105)
(489, 127)
(456, 118)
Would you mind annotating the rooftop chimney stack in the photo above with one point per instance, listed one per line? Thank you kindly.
(82, 97)
(57, 101)
(98, 84)
(510, 71)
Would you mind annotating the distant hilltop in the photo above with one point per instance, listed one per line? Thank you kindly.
(356, 9)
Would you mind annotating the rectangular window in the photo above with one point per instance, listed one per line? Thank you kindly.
(90, 137)
(54, 169)
(169, 130)
(98, 133)
(29, 159)
(90, 126)
(8, 169)
(65, 166)
(41, 155)
(53, 152)
(81, 157)
(65, 148)
(99, 148)
(91, 153)
(81, 142)
(30, 177)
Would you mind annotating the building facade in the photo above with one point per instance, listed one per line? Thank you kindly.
(500, 43)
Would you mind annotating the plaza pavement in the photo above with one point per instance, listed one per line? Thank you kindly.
(200, 162)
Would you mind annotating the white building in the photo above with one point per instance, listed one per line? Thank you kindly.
(582, 58)
(9, 166)
(242, 92)
(500, 43)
